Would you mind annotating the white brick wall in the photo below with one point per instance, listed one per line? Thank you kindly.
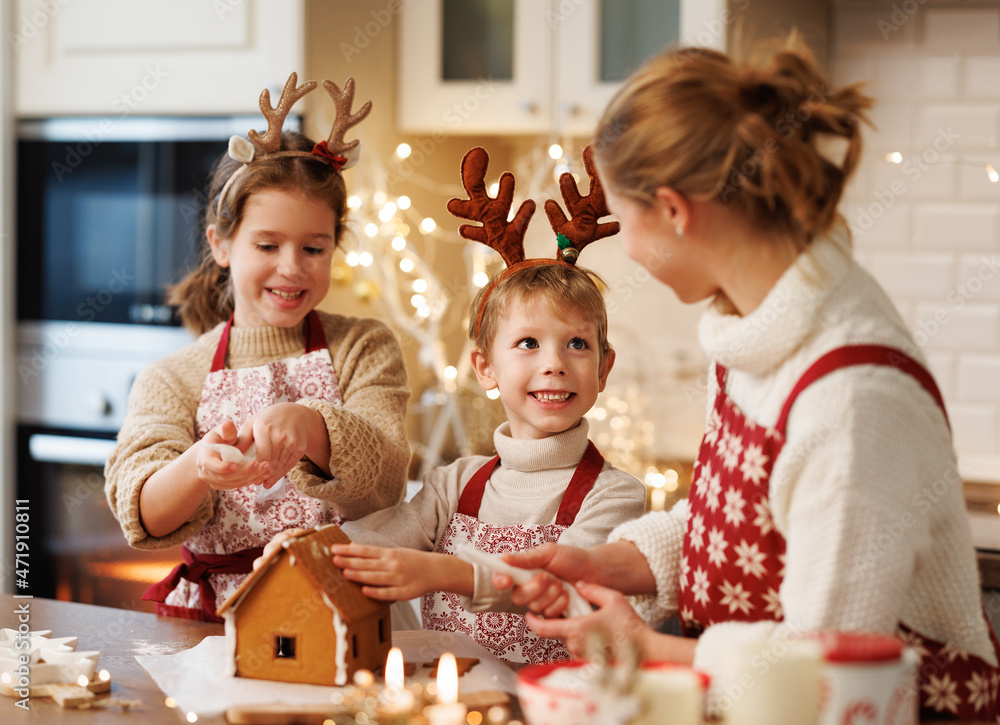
(929, 228)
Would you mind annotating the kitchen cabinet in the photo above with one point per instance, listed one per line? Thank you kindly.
(543, 66)
(121, 57)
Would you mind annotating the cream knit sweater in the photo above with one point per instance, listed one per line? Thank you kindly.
(866, 491)
(525, 488)
(369, 450)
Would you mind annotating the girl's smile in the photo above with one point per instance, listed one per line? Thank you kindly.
(279, 258)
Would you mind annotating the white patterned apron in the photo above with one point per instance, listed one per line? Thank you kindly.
(505, 634)
(218, 557)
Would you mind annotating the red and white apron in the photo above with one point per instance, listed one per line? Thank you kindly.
(505, 634)
(218, 557)
(733, 557)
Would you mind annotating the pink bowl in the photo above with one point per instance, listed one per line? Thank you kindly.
(545, 703)
(561, 693)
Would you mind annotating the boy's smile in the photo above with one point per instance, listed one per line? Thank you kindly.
(547, 367)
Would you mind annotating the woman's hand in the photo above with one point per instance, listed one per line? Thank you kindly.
(276, 543)
(282, 435)
(618, 624)
(217, 473)
(546, 593)
(400, 574)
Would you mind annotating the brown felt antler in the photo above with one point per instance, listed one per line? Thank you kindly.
(271, 140)
(582, 227)
(506, 237)
(343, 100)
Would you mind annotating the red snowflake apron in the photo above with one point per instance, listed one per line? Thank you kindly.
(218, 557)
(505, 634)
(733, 557)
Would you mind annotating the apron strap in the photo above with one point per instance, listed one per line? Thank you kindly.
(196, 568)
(583, 480)
(315, 339)
(472, 494)
(850, 355)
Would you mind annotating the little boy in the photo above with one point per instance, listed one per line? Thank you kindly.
(540, 330)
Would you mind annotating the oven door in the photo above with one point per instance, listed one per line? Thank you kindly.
(78, 550)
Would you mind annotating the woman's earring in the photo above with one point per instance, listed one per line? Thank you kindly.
(679, 230)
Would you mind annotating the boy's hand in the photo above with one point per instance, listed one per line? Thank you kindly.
(401, 574)
(217, 473)
(276, 543)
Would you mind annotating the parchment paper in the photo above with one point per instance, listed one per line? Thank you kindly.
(194, 677)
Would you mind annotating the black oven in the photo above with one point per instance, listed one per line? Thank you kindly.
(108, 215)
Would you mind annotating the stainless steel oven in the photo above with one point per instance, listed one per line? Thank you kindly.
(108, 215)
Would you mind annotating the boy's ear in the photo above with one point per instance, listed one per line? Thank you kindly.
(220, 250)
(484, 372)
(602, 378)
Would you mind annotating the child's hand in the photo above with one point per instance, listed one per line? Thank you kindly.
(281, 436)
(276, 543)
(400, 574)
(217, 473)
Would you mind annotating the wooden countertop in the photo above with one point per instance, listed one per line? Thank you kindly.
(119, 635)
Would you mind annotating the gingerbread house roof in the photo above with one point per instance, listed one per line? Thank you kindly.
(311, 551)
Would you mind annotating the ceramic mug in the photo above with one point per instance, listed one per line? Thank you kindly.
(868, 678)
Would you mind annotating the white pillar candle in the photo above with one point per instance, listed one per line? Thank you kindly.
(447, 710)
(668, 695)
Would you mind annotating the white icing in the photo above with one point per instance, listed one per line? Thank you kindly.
(229, 618)
(340, 629)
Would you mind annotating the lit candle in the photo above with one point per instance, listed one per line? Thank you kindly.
(394, 670)
(448, 710)
(396, 700)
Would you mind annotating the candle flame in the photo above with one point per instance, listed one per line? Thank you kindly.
(394, 670)
(104, 675)
(82, 681)
(447, 678)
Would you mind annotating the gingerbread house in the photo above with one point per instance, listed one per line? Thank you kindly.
(297, 619)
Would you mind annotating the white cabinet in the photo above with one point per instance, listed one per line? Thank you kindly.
(533, 66)
(143, 57)
(551, 66)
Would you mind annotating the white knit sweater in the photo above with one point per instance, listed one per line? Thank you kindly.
(866, 491)
(526, 488)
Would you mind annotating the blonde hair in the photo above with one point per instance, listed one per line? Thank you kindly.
(747, 134)
(562, 286)
(205, 294)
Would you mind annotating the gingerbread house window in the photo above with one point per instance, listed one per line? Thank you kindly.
(381, 631)
(284, 647)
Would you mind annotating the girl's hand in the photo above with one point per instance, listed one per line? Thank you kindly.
(282, 434)
(545, 594)
(222, 475)
(400, 574)
(276, 543)
(614, 619)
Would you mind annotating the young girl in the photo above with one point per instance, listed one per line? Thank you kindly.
(541, 335)
(826, 494)
(316, 401)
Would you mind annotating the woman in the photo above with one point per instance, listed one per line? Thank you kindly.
(826, 494)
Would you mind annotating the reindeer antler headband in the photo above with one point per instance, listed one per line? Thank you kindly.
(336, 152)
(507, 237)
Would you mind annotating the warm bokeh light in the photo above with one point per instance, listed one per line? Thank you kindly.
(403, 151)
